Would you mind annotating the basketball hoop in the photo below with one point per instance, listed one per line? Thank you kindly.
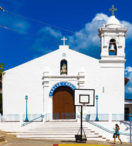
(83, 97)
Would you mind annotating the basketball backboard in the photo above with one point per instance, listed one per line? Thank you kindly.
(84, 97)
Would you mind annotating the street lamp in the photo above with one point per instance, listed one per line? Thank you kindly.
(26, 119)
(97, 119)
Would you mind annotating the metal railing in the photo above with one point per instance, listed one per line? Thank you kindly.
(49, 116)
(35, 119)
(106, 129)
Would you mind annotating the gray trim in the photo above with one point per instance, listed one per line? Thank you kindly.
(64, 76)
(112, 61)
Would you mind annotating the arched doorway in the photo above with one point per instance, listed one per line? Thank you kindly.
(63, 103)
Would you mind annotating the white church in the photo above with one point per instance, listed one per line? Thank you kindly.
(50, 80)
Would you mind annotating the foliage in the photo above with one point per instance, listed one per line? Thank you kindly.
(1, 69)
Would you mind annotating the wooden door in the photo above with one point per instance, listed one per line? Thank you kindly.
(63, 103)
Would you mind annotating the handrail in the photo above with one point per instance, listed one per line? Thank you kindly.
(26, 123)
(105, 129)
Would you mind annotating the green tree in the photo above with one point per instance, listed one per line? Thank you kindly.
(1, 71)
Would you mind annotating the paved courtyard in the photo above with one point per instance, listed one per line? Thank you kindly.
(11, 140)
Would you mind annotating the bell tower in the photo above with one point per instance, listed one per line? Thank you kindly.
(112, 38)
(112, 64)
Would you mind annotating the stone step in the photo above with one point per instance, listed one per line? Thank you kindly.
(63, 138)
(53, 136)
(62, 130)
(59, 128)
(53, 133)
(59, 134)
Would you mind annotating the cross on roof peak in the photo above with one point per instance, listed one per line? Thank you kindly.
(64, 40)
(113, 9)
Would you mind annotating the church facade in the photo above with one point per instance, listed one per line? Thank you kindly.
(49, 81)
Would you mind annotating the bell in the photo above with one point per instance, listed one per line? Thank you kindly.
(112, 48)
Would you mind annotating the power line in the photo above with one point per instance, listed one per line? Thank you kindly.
(41, 22)
(31, 36)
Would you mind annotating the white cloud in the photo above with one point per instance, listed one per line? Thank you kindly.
(100, 17)
(47, 40)
(128, 69)
(86, 40)
(128, 73)
(129, 90)
(129, 27)
(51, 31)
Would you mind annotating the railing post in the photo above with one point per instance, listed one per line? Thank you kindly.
(26, 119)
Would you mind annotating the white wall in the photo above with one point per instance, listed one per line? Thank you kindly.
(26, 79)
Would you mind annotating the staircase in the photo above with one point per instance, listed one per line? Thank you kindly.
(61, 130)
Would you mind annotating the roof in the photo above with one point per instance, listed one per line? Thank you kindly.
(126, 80)
(113, 22)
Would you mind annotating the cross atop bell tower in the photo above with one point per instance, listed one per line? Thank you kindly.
(113, 10)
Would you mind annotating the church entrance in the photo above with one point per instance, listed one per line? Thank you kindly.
(63, 103)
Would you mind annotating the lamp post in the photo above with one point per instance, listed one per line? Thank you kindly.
(26, 119)
(97, 119)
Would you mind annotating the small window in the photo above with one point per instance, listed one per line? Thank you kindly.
(63, 67)
(112, 47)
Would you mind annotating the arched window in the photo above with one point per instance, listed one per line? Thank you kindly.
(63, 67)
(112, 47)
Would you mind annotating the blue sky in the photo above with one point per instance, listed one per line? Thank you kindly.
(30, 28)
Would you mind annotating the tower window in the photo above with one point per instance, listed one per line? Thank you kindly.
(63, 67)
(112, 47)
